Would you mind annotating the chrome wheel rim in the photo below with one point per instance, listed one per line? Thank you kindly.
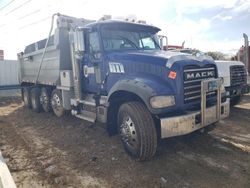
(56, 103)
(128, 133)
(44, 99)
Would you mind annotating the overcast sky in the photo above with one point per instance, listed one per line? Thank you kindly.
(214, 25)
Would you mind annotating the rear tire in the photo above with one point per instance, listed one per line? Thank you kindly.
(35, 99)
(56, 103)
(45, 99)
(26, 97)
(137, 130)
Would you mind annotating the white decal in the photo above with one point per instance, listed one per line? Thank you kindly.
(116, 67)
(88, 70)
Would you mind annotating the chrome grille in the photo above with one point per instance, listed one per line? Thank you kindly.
(238, 75)
(193, 75)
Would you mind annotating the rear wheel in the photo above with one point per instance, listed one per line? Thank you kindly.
(35, 99)
(56, 103)
(26, 97)
(137, 130)
(45, 99)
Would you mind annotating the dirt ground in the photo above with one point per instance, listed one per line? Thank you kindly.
(42, 150)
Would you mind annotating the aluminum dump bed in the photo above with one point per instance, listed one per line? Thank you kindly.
(56, 58)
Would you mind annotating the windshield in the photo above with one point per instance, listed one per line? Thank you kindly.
(117, 40)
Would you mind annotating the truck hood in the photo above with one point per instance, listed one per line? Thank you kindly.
(224, 70)
(224, 67)
(156, 57)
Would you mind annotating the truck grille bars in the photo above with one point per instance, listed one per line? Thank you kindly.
(238, 75)
(193, 75)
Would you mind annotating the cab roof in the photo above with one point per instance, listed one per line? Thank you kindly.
(118, 24)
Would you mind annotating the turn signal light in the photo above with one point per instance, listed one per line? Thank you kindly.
(172, 75)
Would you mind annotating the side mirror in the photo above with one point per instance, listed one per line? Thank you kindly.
(163, 42)
(78, 40)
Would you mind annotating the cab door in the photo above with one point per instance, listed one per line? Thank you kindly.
(92, 63)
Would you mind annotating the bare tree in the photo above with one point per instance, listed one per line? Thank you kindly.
(216, 55)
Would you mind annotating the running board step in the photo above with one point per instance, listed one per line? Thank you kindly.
(88, 116)
(88, 102)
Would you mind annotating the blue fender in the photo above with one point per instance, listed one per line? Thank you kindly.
(144, 88)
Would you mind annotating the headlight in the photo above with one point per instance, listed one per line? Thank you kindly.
(162, 101)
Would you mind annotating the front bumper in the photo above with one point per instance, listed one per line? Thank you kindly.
(237, 90)
(184, 124)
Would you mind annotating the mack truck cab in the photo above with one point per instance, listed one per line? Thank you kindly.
(115, 72)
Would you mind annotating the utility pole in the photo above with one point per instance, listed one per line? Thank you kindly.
(246, 51)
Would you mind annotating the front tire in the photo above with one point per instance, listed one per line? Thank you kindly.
(235, 100)
(57, 103)
(137, 130)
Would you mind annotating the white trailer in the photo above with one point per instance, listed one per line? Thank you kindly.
(9, 74)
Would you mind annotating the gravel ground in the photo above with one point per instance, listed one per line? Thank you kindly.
(42, 150)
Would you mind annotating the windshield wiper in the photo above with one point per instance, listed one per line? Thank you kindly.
(129, 41)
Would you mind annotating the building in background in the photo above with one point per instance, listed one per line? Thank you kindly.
(8, 73)
(1, 55)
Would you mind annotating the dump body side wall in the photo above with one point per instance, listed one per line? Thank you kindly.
(57, 58)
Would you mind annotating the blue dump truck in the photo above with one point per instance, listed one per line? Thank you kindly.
(114, 72)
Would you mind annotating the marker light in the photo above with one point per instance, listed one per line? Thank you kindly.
(172, 75)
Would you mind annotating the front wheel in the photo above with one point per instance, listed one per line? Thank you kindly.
(137, 130)
(235, 100)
